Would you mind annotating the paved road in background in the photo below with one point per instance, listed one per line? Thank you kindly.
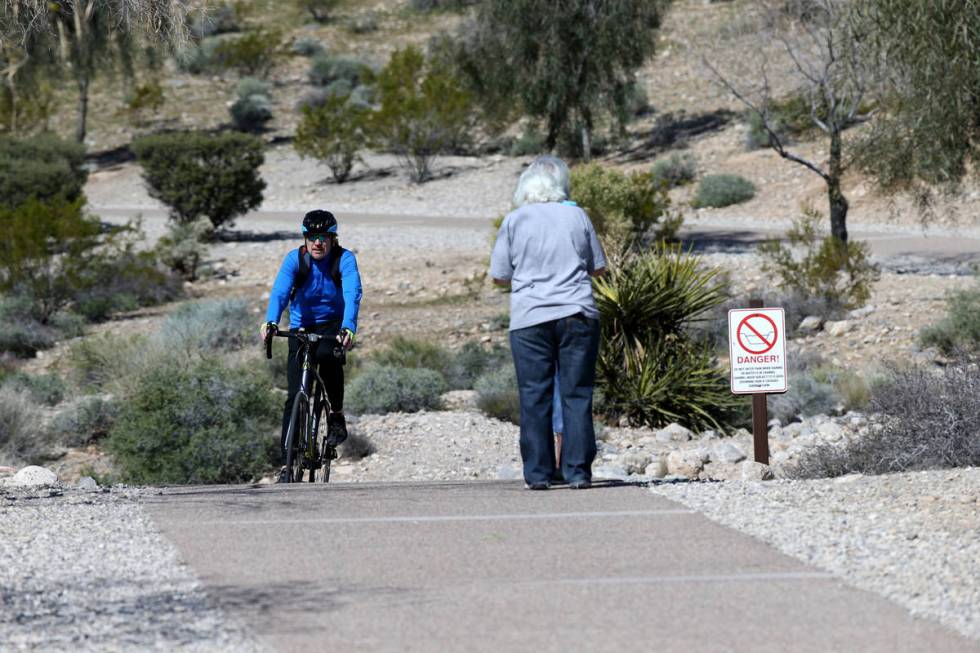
(489, 566)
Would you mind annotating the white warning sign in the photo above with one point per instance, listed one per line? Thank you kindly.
(757, 344)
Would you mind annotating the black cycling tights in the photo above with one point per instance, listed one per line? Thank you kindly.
(331, 370)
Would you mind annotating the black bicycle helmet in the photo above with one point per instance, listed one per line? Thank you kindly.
(319, 221)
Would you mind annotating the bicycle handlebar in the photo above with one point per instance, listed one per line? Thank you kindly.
(302, 336)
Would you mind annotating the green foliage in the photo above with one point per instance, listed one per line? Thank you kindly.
(567, 64)
(325, 69)
(790, 117)
(29, 109)
(144, 98)
(85, 421)
(319, 10)
(253, 53)
(334, 133)
(497, 395)
(47, 389)
(222, 19)
(383, 389)
(208, 325)
(472, 361)
(623, 208)
(530, 143)
(958, 333)
(203, 423)
(364, 22)
(253, 108)
(716, 191)
(308, 47)
(649, 369)
(183, 248)
(441, 5)
(414, 354)
(43, 167)
(198, 174)
(23, 437)
(425, 111)
(21, 335)
(841, 274)
(675, 170)
(929, 420)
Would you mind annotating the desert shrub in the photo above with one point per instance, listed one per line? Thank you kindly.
(182, 249)
(841, 274)
(208, 325)
(222, 19)
(414, 354)
(202, 423)
(319, 10)
(623, 208)
(23, 437)
(789, 118)
(650, 370)
(85, 421)
(959, 331)
(364, 22)
(675, 170)
(253, 108)
(425, 111)
(30, 109)
(43, 167)
(198, 174)
(325, 69)
(253, 53)
(333, 133)
(531, 142)
(497, 395)
(811, 391)
(200, 58)
(21, 335)
(145, 98)
(307, 47)
(387, 389)
(631, 101)
(471, 362)
(440, 5)
(47, 389)
(107, 362)
(716, 191)
(929, 420)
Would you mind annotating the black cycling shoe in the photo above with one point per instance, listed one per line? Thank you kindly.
(336, 429)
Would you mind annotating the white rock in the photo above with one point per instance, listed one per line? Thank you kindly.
(721, 472)
(34, 475)
(635, 462)
(753, 471)
(810, 324)
(684, 463)
(830, 431)
(614, 472)
(87, 483)
(838, 328)
(674, 433)
(656, 469)
(859, 313)
(726, 452)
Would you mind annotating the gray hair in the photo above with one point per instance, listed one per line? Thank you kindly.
(545, 180)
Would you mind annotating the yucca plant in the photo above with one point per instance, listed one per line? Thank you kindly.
(650, 368)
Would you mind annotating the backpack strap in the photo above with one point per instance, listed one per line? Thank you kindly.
(337, 253)
(302, 271)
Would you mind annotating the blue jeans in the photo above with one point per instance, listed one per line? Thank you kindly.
(571, 345)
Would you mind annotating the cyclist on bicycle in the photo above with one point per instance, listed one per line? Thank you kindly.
(322, 287)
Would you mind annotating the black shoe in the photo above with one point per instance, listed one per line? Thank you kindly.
(538, 485)
(336, 429)
(283, 475)
(580, 484)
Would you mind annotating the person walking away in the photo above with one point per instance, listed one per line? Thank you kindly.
(547, 251)
(321, 285)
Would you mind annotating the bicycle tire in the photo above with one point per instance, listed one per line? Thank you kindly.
(296, 435)
(323, 473)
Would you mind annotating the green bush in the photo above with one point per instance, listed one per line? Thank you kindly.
(839, 274)
(198, 174)
(530, 143)
(958, 333)
(623, 208)
(200, 58)
(673, 171)
(929, 419)
(43, 167)
(253, 53)
(425, 111)
(208, 325)
(145, 99)
(319, 10)
(47, 389)
(716, 191)
(414, 354)
(23, 437)
(325, 69)
(387, 389)
(87, 420)
(203, 423)
(650, 370)
(20, 334)
(789, 118)
(183, 248)
(251, 112)
(497, 395)
(472, 361)
(334, 133)
(307, 47)
(364, 22)
(108, 363)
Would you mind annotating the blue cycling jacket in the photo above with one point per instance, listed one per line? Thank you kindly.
(318, 300)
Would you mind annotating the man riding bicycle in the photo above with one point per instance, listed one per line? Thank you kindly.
(322, 287)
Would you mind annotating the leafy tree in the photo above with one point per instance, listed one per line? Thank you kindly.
(928, 132)
(566, 63)
(424, 111)
(198, 174)
(333, 133)
(90, 36)
(43, 167)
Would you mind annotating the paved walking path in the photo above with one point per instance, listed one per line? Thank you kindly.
(489, 566)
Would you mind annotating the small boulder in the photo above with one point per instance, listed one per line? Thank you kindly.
(684, 463)
(610, 472)
(753, 471)
(674, 433)
(656, 469)
(830, 431)
(87, 483)
(810, 325)
(32, 475)
(838, 328)
(635, 462)
(727, 452)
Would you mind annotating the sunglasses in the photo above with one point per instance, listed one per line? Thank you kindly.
(319, 237)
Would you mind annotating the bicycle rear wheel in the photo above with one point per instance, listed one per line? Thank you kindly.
(327, 453)
(296, 438)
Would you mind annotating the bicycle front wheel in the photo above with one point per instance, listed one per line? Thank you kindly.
(296, 438)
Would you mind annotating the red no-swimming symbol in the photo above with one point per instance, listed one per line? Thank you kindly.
(757, 338)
